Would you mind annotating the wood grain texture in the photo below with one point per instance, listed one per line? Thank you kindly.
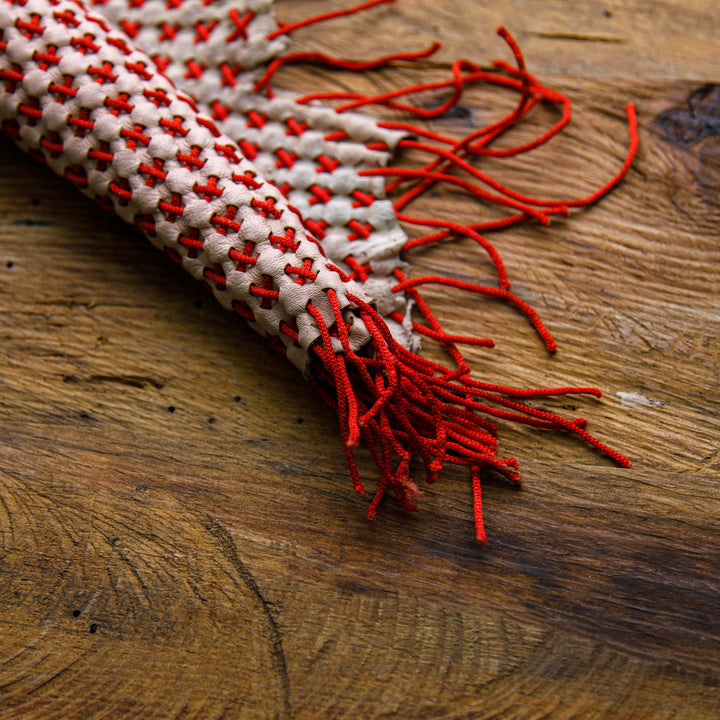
(178, 534)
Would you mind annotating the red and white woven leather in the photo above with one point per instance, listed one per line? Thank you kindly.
(79, 97)
(213, 50)
(200, 36)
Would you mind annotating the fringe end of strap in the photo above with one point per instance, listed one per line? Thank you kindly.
(406, 407)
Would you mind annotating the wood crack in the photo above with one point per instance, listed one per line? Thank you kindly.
(228, 548)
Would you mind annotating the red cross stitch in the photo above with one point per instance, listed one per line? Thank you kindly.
(243, 258)
(359, 271)
(326, 164)
(77, 175)
(195, 71)
(121, 188)
(132, 29)
(174, 127)
(154, 173)
(267, 208)
(146, 223)
(227, 221)
(81, 122)
(240, 23)
(256, 120)
(304, 274)
(139, 68)
(362, 198)
(266, 292)
(191, 161)
(192, 242)
(228, 75)
(168, 32)
(173, 209)
(361, 231)
(215, 275)
(286, 243)
(30, 29)
(119, 104)
(64, 91)
(13, 77)
(209, 191)
(53, 144)
(228, 152)
(316, 227)
(31, 110)
(103, 74)
(85, 44)
(249, 150)
(157, 97)
(161, 63)
(67, 18)
(135, 136)
(294, 127)
(46, 59)
(248, 180)
(285, 159)
(219, 111)
(321, 195)
(102, 156)
(203, 31)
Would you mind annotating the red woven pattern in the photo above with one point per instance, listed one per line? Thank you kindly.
(199, 34)
(79, 98)
(312, 154)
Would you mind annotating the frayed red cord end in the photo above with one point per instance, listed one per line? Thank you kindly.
(405, 406)
(480, 535)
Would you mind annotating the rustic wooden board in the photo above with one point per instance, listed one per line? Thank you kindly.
(178, 535)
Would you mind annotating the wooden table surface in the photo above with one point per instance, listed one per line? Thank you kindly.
(178, 534)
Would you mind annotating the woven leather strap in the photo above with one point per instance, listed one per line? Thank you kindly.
(79, 97)
(214, 50)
